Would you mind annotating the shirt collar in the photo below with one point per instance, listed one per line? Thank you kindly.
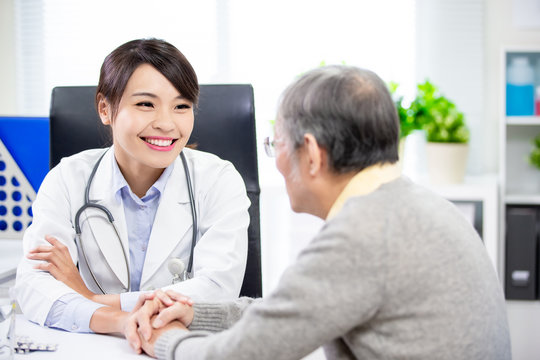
(365, 182)
(119, 182)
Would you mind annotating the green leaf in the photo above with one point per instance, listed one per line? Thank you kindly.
(534, 156)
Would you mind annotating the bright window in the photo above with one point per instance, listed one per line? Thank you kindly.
(265, 43)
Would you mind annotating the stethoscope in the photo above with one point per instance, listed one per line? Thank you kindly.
(175, 265)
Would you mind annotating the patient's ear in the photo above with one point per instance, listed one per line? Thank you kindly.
(104, 110)
(316, 154)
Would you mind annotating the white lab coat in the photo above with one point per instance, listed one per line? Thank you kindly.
(220, 254)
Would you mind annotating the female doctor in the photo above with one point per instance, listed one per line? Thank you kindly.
(146, 94)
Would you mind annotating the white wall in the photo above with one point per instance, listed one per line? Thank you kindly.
(8, 99)
(449, 52)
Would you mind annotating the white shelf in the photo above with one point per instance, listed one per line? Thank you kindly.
(473, 188)
(522, 199)
(523, 120)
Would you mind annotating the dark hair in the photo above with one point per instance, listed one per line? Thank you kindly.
(350, 113)
(120, 64)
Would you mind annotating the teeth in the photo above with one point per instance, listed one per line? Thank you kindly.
(159, 142)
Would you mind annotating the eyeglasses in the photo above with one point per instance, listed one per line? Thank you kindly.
(269, 147)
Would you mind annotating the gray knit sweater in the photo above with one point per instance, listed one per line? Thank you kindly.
(396, 274)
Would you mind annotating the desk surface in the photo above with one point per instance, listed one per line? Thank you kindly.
(72, 345)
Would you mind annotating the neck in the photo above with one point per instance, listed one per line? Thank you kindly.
(328, 189)
(140, 179)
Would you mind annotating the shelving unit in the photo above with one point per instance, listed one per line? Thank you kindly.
(519, 181)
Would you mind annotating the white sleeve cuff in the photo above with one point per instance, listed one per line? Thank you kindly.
(129, 299)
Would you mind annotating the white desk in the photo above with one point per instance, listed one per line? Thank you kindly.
(72, 345)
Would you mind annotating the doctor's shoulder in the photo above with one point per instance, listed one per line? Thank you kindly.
(66, 181)
(209, 168)
(79, 164)
(71, 170)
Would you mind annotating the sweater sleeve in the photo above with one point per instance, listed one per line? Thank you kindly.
(336, 284)
(219, 316)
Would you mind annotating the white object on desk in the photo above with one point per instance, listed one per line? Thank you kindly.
(11, 252)
(74, 345)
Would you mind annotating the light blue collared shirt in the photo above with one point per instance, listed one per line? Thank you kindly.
(72, 312)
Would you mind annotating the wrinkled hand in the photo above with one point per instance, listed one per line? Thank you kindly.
(148, 345)
(59, 264)
(170, 306)
(180, 310)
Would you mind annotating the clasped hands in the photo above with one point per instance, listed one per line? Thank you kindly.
(154, 314)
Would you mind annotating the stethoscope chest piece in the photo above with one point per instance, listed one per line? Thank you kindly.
(178, 269)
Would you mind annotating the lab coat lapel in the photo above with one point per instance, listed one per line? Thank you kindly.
(101, 192)
(172, 222)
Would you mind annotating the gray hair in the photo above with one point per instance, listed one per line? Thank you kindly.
(350, 113)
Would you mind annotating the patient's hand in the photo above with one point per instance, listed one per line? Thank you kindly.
(180, 309)
(59, 264)
(148, 345)
(154, 311)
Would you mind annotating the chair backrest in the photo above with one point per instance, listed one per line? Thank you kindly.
(224, 125)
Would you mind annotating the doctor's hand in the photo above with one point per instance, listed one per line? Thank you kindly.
(179, 310)
(58, 262)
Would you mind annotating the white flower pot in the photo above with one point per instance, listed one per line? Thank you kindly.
(446, 162)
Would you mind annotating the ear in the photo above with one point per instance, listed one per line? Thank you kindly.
(315, 154)
(104, 110)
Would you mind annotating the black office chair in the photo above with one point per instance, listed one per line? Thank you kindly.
(224, 125)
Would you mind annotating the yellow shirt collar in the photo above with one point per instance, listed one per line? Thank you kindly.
(365, 182)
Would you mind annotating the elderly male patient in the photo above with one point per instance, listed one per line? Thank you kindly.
(396, 272)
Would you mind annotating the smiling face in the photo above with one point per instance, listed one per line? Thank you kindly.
(152, 125)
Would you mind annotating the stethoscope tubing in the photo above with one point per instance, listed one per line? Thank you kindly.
(189, 272)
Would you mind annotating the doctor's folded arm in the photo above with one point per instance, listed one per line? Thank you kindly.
(169, 204)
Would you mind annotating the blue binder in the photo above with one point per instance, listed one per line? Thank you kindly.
(24, 162)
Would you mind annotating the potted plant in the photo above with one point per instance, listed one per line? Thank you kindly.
(446, 133)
